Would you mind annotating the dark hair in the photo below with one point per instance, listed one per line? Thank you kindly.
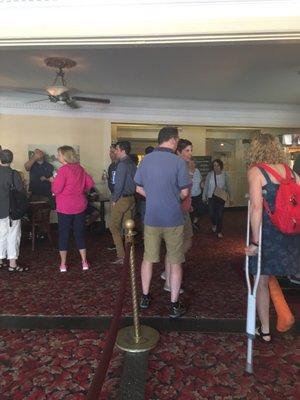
(124, 145)
(182, 144)
(6, 156)
(149, 149)
(218, 161)
(167, 133)
(113, 145)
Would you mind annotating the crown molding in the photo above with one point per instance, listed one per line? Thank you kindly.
(60, 22)
(168, 111)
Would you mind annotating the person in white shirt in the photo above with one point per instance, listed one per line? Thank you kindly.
(216, 178)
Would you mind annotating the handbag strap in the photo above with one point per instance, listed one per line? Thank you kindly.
(12, 185)
(215, 180)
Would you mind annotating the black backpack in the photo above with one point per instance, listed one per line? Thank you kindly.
(18, 202)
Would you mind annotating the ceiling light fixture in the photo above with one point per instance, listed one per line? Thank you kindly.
(59, 85)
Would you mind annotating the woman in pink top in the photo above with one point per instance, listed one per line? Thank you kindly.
(69, 187)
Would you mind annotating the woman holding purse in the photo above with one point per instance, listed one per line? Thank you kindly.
(217, 193)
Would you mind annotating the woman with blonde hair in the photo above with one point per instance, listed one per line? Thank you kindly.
(280, 252)
(70, 187)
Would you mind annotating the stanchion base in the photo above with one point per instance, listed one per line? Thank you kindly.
(126, 340)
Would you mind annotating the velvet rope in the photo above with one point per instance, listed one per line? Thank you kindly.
(99, 377)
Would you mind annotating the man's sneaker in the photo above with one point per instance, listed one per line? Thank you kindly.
(168, 289)
(145, 301)
(118, 261)
(111, 247)
(85, 266)
(163, 275)
(63, 268)
(177, 311)
(214, 228)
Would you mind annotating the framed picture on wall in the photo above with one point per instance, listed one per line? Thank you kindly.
(50, 151)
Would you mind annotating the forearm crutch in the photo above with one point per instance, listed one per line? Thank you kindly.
(251, 298)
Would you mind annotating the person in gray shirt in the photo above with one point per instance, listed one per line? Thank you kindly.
(10, 231)
(123, 200)
(163, 179)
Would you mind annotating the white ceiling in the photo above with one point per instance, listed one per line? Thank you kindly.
(260, 72)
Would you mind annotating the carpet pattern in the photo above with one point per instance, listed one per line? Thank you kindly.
(192, 366)
(59, 365)
(53, 365)
(213, 278)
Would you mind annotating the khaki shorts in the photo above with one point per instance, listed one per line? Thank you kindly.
(173, 238)
(187, 227)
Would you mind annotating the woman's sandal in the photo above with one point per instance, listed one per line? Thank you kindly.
(260, 335)
(18, 269)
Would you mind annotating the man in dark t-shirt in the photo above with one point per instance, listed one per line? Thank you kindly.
(40, 172)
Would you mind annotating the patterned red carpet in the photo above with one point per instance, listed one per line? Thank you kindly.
(213, 278)
(59, 365)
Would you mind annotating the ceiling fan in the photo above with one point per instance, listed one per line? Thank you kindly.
(59, 92)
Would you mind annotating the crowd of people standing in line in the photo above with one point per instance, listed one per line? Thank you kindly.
(170, 189)
(166, 179)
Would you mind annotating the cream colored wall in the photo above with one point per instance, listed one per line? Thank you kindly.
(236, 167)
(92, 135)
(197, 135)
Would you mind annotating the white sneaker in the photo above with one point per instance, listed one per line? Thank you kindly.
(214, 228)
(163, 275)
(168, 289)
(85, 266)
(63, 268)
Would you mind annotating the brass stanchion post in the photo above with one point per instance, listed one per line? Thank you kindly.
(136, 338)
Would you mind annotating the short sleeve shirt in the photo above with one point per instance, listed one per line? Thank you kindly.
(36, 186)
(163, 175)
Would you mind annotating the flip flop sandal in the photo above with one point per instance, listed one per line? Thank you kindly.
(260, 336)
(18, 269)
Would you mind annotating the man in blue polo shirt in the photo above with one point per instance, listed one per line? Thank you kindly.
(163, 179)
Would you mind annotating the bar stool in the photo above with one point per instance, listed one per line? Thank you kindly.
(40, 219)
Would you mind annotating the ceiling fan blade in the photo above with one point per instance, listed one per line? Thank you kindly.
(7, 89)
(91, 99)
(41, 92)
(36, 101)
